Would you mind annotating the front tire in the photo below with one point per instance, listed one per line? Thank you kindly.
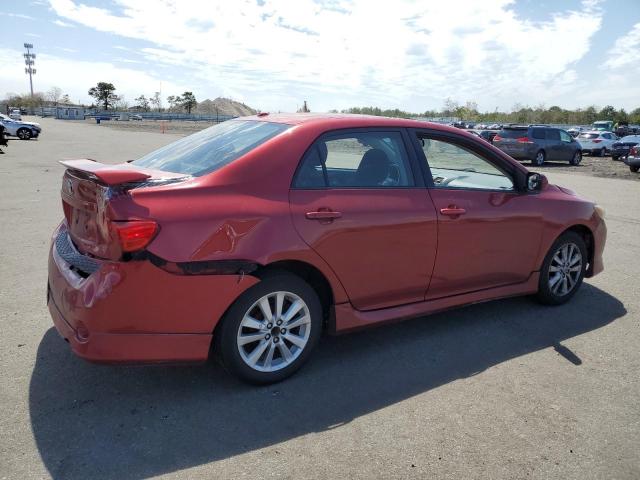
(271, 329)
(539, 158)
(634, 169)
(563, 269)
(24, 134)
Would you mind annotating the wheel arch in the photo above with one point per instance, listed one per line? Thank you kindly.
(314, 277)
(587, 235)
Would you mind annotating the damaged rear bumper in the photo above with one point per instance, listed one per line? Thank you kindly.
(135, 312)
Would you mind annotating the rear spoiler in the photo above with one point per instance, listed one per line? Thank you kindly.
(107, 174)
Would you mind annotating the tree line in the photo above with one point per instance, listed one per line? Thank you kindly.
(518, 114)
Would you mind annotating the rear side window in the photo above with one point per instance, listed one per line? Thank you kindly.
(211, 149)
(538, 133)
(364, 160)
(553, 134)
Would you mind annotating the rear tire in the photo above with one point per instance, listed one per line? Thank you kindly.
(615, 157)
(284, 339)
(539, 158)
(24, 134)
(634, 169)
(577, 158)
(563, 269)
(602, 152)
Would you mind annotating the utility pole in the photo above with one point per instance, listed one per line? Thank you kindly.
(30, 61)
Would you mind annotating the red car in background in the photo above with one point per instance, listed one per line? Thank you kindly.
(252, 237)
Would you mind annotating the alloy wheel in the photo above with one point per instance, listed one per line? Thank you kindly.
(565, 269)
(274, 331)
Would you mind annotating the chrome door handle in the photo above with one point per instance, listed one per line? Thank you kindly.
(452, 211)
(323, 215)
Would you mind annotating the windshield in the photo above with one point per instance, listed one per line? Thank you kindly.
(213, 148)
(589, 135)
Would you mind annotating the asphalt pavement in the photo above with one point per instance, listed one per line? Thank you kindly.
(506, 389)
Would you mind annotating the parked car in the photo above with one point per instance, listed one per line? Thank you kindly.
(605, 125)
(488, 135)
(20, 129)
(252, 237)
(538, 144)
(14, 114)
(597, 143)
(621, 147)
(633, 159)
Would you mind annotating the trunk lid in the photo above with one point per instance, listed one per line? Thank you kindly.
(89, 191)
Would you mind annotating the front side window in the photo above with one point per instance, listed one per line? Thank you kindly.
(565, 137)
(453, 166)
(212, 148)
(363, 159)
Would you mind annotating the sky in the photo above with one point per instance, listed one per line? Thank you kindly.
(275, 54)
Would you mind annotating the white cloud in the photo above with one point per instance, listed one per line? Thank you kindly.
(60, 23)
(17, 15)
(401, 53)
(626, 50)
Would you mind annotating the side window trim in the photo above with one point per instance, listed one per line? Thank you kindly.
(418, 179)
(508, 170)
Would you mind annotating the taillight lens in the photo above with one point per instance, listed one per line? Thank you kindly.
(523, 140)
(633, 151)
(497, 138)
(135, 235)
(597, 140)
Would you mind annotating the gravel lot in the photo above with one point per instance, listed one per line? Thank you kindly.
(507, 389)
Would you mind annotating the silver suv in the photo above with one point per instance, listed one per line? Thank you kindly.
(538, 143)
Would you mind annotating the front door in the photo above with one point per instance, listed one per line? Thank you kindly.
(358, 203)
(488, 233)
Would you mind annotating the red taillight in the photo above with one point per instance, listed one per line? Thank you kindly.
(633, 151)
(596, 140)
(135, 235)
(523, 140)
(496, 138)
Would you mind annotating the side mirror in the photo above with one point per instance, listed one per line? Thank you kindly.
(536, 182)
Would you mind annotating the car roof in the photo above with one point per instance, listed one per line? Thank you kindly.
(331, 121)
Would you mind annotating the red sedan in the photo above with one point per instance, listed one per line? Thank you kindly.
(252, 237)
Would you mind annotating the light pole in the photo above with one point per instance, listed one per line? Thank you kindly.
(30, 61)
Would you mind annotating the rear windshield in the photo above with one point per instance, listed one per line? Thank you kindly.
(513, 132)
(211, 149)
(589, 135)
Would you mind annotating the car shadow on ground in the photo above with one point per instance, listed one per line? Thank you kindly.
(134, 422)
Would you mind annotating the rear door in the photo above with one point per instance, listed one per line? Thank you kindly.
(488, 233)
(357, 202)
(554, 147)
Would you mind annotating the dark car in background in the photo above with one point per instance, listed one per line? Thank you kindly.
(622, 147)
(487, 135)
(633, 159)
(538, 144)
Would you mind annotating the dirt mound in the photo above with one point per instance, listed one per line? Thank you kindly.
(224, 106)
